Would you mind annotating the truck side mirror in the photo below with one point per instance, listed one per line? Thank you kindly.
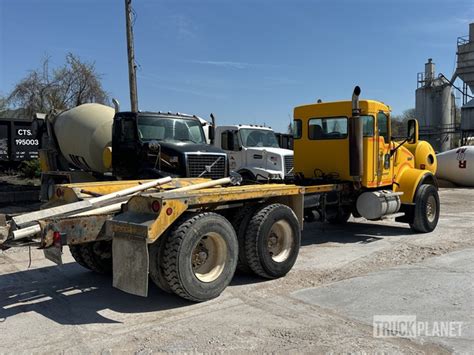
(211, 133)
(230, 141)
(412, 132)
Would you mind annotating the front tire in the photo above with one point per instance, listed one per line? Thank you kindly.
(248, 178)
(200, 256)
(427, 208)
(272, 241)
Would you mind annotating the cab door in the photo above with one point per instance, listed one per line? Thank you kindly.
(230, 144)
(370, 153)
(384, 164)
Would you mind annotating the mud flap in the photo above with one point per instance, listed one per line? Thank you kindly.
(130, 263)
(54, 254)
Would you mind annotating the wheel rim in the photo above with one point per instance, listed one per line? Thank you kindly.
(280, 241)
(431, 208)
(209, 257)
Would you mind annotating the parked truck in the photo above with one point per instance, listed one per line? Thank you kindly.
(190, 236)
(254, 152)
(92, 142)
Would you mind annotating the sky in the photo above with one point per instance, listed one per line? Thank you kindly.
(248, 62)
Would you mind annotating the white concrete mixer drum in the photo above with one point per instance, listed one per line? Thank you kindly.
(83, 133)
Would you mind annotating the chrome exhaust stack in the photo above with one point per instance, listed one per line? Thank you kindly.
(355, 138)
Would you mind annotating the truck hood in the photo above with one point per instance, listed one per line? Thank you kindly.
(189, 147)
(277, 151)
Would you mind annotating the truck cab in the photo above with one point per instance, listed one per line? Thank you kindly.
(157, 144)
(350, 142)
(254, 152)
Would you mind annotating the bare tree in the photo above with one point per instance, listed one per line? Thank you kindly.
(44, 89)
(399, 123)
(3, 103)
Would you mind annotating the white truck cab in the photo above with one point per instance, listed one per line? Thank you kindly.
(253, 152)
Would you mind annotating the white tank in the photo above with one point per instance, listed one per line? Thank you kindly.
(457, 166)
(83, 133)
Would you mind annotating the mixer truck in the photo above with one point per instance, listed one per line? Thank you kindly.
(94, 142)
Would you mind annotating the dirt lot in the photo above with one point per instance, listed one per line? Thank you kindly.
(344, 276)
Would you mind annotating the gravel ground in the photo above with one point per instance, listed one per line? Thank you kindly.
(69, 309)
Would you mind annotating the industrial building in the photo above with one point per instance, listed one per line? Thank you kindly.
(435, 102)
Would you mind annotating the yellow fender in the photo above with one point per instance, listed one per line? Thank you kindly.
(425, 156)
(409, 180)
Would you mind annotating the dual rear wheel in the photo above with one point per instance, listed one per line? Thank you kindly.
(198, 257)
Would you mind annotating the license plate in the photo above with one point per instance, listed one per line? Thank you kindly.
(54, 254)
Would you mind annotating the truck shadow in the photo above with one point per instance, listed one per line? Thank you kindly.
(71, 295)
(351, 232)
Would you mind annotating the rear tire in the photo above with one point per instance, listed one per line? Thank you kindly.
(95, 256)
(426, 214)
(157, 273)
(200, 256)
(76, 252)
(272, 241)
(240, 223)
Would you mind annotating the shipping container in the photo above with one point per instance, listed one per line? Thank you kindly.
(20, 139)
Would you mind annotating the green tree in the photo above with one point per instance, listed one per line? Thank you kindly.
(74, 83)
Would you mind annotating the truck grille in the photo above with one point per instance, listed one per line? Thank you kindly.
(206, 165)
(288, 165)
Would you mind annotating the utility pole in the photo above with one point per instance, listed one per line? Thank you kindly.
(132, 67)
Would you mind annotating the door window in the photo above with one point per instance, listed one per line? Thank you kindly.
(383, 126)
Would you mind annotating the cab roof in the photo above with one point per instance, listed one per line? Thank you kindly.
(339, 108)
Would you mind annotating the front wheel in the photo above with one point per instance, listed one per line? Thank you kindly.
(427, 209)
(200, 256)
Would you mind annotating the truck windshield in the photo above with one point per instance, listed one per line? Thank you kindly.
(258, 138)
(170, 129)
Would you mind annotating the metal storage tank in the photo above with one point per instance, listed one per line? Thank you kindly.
(435, 108)
(465, 71)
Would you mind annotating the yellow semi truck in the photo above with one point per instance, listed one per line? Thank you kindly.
(189, 235)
